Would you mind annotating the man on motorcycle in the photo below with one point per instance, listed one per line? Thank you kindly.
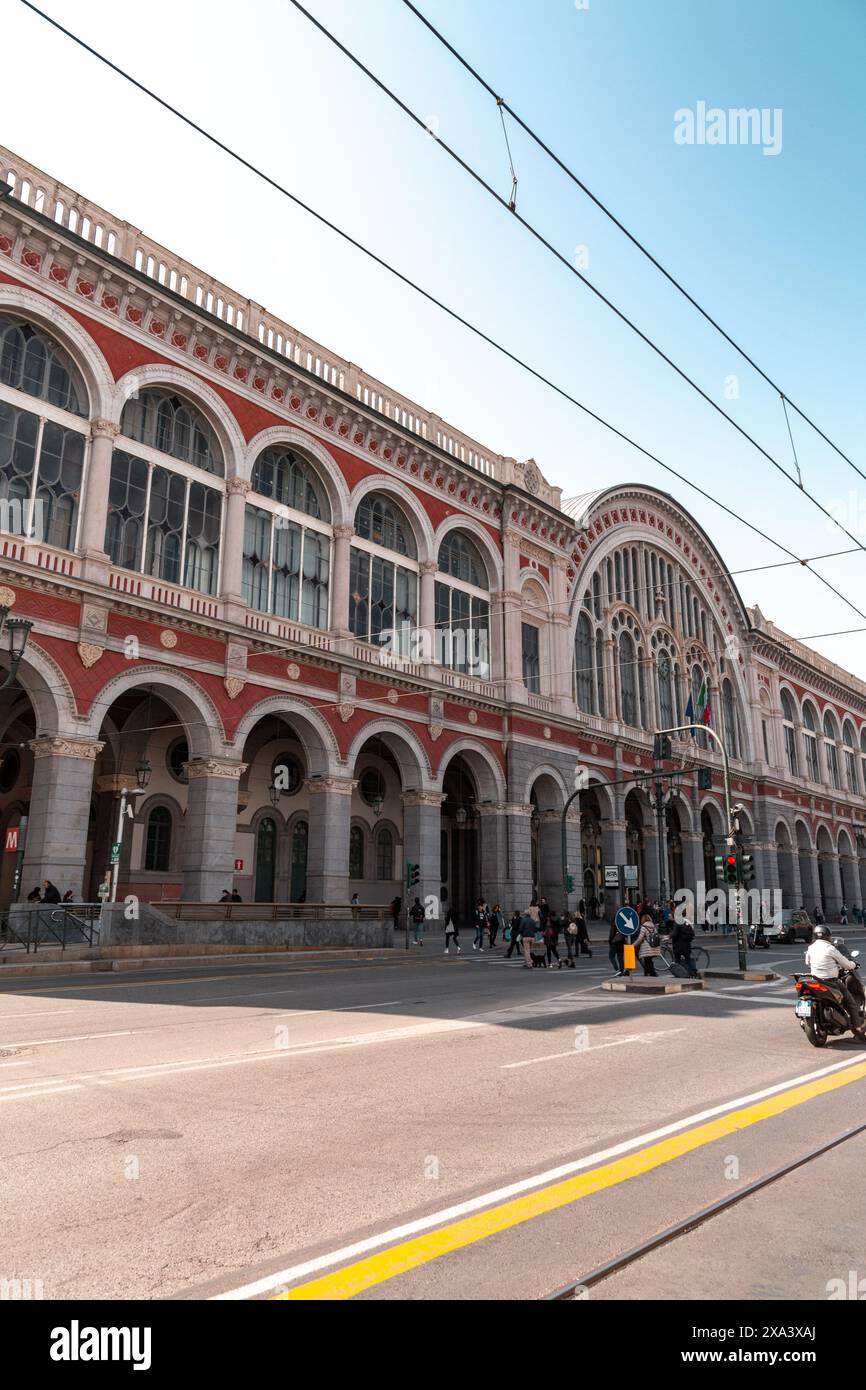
(824, 960)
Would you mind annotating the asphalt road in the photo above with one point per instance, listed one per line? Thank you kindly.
(418, 1128)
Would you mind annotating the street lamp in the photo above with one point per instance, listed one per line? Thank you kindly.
(18, 631)
(142, 773)
(274, 793)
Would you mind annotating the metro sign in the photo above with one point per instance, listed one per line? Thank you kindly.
(11, 845)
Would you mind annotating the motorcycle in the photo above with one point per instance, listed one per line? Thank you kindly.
(820, 1006)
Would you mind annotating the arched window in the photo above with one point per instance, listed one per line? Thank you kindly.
(32, 362)
(788, 721)
(599, 671)
(627, 682)
(378, 520)
(383, 595)
(462, 608)
(810, 743)
(850, 759)
(157, 853)
(830, 751)
(356, 852)
(384, 855)
(41, 451)
(287, 559)
(863, 755)
(162, 520)
(171, 425)
(285, 477)
(729, 710)
(665, 689)
(583, 666)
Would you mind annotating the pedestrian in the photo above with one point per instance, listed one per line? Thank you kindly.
(50, 894)
(615, 949)
(497, 924)
(648, 945)
(818, 916)
(452, 931)
(843, 916)
(416, 912)
(226, 897)
(543, 911)
(355, 905)
(69, 896)
(551, 939)
(236, 897)
(593, 907)
(35, 895)
(583, 936)
(571, 939)
(581, 907)
(481, 925)
(528, 928)
(513, 934)
(396, 906)
(681, 940)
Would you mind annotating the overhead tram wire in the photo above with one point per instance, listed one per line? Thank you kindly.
(636, 242)
(572, 269)
(438, 303)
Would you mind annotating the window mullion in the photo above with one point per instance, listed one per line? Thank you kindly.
(27, 529)
(181, 578)
(146, 532)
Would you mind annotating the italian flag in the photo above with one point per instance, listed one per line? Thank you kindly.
(703, 704)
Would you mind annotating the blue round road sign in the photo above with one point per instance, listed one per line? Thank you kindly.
(626, 921)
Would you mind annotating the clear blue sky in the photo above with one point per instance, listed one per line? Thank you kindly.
(773, 246)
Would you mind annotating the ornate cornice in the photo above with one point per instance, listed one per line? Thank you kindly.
(416, 798)
(342, 786)
(214, 767)
(58, 746)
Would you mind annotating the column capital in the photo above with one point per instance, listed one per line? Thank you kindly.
(343, 786)
(428, 567)
(343, 531)
(104, 429)
(419, 798)
(214, 767)
(236, 486)
(115, 782)
(58, 746)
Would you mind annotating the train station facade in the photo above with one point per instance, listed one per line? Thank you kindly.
(331, 635)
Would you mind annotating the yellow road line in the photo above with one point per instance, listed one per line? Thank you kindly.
(399, 1259)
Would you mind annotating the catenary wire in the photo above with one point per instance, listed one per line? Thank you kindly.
(533, 135)
(572, 269)
(426, 294)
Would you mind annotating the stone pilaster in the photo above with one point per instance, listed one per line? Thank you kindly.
(328, 854)
(422, 832)
(94, 504)
(231, 581)
(343, 533)
(58, 818)
(210, 827)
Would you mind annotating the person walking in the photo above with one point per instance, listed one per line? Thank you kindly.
(551, 939)
(396, 907)
(481, 925)
(648, 945)
(843, 916)
(681, 941)
(583, 935)
(452, 931)
(355, 905)
(615, 949)
(416, 912)
(497, 924)
(528, 928)
(571, 939)
(513, 934)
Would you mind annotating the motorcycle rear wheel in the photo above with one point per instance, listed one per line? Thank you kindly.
(814, 1032)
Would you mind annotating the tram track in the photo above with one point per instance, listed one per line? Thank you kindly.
(695, 1221)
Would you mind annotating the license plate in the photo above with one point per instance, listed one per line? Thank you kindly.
(804, 1008)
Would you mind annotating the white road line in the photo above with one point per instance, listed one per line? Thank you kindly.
(597, 1047)
(280, 1279)
(26, 1063)
(745, 998)
(77, 1037)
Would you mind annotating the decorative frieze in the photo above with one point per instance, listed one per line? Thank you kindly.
(342, 786)
(214, 767)
(57, 746)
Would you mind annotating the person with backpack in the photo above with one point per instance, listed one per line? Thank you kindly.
(649, 946)
(681, 941)
(417, 914)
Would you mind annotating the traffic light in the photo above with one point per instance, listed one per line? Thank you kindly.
(413, 875)
(661, 748)
(705, 779)
(731, 867)
(747, 868)
(720, 868)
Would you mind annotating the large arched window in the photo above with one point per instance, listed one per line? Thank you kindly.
(810, 743)
(384, 855)
(788, 722)
(356, 852)
(863, 754)
(583, 666)
(729, 712)
(163, 518)
(383, 595)
(665, 688)
(462, 608)
(41, 450)
(157, 853)
(830, 736)
(287, 558)
(628, 706)
(850, 758)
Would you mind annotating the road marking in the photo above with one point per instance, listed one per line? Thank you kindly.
(269, 1282)
(331, 967)
(745, 998)
(597, 1047)
(28, 1061)
(78, 1037)
(410, 1254)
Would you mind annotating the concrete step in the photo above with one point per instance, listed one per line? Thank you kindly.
(120, 959)
(647, 985)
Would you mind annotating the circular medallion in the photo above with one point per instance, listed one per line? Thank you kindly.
(168, 638)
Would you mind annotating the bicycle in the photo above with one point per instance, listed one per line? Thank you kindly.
(700, 956)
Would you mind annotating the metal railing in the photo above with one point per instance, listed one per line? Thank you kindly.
(60, 924)
(270, 912)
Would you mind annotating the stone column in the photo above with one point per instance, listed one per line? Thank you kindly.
(550, 883)
(693, 859)
(614, 850)
(810, 890)
(518, 838)
(832, 885)
(209, 828)
(328, 853)
(232, 550)
(493, 855)
(340, 561)
(426, 646)
(850, 882)
(59, 813)
(652, 887)
(422, 845)
(94, 503)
